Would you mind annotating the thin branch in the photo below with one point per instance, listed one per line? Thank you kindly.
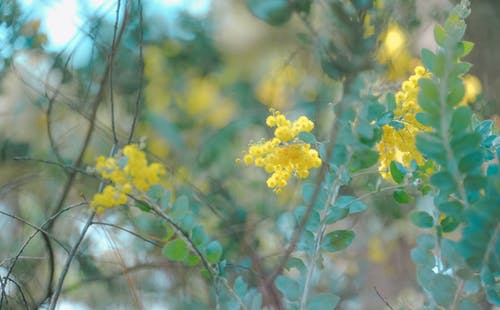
(23, 297)
(156, 244)
(133, 290)
(60, 282)
(382, 298)
(55, 163)
(110, 72)
(141, 74)
(40, 229)
(114, 275)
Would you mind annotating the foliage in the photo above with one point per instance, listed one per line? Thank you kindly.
(351, 162)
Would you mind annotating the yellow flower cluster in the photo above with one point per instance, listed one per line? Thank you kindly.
(399, 145)
(394, 52)
(127, 171)
(284, 155)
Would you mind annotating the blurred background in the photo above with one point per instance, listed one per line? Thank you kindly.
(196, 79)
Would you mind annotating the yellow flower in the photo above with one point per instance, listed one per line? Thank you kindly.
(394, 52)
(472, 89)
(134, 173)
(284, 155)
(399, 145)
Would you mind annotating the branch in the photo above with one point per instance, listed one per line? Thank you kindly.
(382, 298)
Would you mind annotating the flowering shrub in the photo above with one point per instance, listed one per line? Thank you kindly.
(314, 216)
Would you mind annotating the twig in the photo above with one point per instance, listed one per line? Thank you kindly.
(55, 163)
(141, 74)
(382, 298)
(60, 282)
(156, 244)
(17, 218)
(110, 72)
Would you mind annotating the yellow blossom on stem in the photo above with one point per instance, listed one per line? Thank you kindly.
(126, 172)
(285, 155)
(399, 144)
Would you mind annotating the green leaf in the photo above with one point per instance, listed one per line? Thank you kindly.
(460, 119)
(176, 250)
(288, 287)
(421, 256)
(422, 219)
(240, 287)
(307, 137)
(444, 181)
(169, 232)
(450, 252)
(428, 58)
(363, 159)
(442, 289)
(180, 208)
(466, 47)
(295, 262)
(461, 68)
(273, 12)
(439, 65)
(428, 119)
(432, 147)
(440, 35)
(339, 155)
(452, 208)
(199, 236)
(337, 240)
(398, 172)
(429, 89)
(213, 252)
(142, 205)
(323, 301)
(456, 92)
(484, 128)
(192, 260)
(465, 144)
(449, 224)
(471, 162)
(155, 192)
(351, 203)
(336, 214)
(385, 118)
(401, 196)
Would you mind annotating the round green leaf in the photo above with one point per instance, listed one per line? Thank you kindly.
(176, 250)
(398, 172)
(401, 196)
(422, 219)
(288, 287)
(337, 240)
(213, 252)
